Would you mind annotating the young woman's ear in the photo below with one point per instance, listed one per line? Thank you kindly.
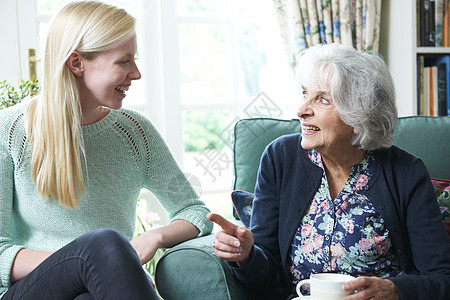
(75, 64)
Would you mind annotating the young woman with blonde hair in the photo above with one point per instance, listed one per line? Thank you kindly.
(72, 164)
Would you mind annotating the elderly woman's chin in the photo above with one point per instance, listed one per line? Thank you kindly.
(308, 143)
(312, 142)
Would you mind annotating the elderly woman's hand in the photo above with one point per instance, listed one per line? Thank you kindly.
(373, 288)
(233, 243)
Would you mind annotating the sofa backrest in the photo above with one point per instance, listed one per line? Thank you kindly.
(425, 137)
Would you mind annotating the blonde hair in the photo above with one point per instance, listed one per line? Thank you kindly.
(53, 119)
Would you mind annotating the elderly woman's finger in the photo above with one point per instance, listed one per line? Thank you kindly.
(371, 288)
(226, 225)
(226, 247)
(224, 239)
(359, 283)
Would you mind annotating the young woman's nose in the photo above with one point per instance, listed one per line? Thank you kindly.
(135, 74)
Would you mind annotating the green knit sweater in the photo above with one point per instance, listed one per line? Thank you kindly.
(124, 153)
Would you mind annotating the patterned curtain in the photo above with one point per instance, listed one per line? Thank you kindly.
(306, 23)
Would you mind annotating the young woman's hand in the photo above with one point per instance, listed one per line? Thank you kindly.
(233, 243)
(165, 236)
(146, 245)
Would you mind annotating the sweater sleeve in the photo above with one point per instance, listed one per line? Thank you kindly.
(8, 250)
(164, 178)
(428, 276)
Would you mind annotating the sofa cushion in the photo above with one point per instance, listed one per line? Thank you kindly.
(191, 270)
(250, 138)
(442, 190)
(427, 138)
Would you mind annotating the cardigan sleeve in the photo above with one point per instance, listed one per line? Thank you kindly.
(8, 250)
(428, 270)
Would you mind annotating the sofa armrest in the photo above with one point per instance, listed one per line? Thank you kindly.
(191, 270)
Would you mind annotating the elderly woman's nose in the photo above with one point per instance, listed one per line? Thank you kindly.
(304, 109)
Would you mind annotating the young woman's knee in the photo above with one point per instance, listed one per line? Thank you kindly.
(107, 244)
(105, 236)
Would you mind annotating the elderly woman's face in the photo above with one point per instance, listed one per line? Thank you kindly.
(322, 127)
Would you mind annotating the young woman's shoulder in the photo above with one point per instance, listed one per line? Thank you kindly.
(11, 117)
(137, 122)
(134, 116)
(12, 111)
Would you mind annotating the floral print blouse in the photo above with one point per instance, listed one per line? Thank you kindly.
(344, 235)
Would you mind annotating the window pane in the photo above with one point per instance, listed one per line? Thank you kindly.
(207, 142)
(202, 6)
(52, 6)
(264, 65)
(205, 63)
(252, 59)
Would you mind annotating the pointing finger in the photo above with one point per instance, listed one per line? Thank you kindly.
(227, 226)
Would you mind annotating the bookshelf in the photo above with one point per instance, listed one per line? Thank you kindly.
(398, 46)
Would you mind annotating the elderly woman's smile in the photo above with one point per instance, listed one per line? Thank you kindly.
(308, 129)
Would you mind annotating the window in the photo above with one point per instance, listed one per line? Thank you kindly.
(232, 65)
(205, 64)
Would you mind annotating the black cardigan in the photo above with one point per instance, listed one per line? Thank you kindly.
(400, 190)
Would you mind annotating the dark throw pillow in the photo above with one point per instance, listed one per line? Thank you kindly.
(242, 202)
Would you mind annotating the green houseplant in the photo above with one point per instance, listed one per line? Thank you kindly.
(10, 95)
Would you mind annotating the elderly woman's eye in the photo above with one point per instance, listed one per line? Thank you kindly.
(304, 95)
(324, 100)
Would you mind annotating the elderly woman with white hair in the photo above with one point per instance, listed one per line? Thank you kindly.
(338, 197)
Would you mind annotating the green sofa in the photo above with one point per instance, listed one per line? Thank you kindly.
(192, 271)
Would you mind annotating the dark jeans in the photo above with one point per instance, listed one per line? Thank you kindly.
(98, 265)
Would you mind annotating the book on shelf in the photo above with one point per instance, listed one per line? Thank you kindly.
(423, 23)
(420, 84)
(434, 83)
(426, 91)
(433, 23)
(446, 24)
(443, 106)
(439, 23)
(434, 97)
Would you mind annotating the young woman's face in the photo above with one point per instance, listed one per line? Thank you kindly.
(322, 127)
(108, 76)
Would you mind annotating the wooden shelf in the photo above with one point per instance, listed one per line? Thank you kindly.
(433, 50)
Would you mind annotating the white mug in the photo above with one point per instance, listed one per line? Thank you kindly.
(325, 286)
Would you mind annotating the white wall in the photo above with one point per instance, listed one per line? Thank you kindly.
(397, 46)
